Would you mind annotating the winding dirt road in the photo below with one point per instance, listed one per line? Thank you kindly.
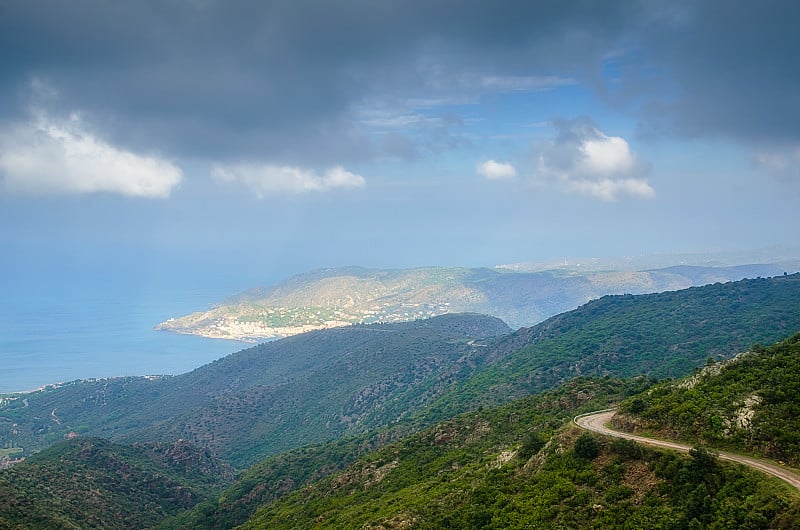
(597, 421)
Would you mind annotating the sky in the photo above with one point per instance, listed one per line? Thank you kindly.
(254, 140)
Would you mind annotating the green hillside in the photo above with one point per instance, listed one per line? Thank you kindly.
(751, 403)
(524, 466)
(518, 466)
(270, 398)
(533, 418)
(278, 475)
(659, 335)
(92, 483)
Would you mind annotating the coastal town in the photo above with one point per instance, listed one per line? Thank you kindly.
(250, 323)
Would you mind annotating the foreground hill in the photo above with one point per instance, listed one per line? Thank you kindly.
(518, 466)
(336, 297)
(749, 403)
(92, 483)
(270, 398)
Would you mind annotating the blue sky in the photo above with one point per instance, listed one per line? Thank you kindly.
(269, 138)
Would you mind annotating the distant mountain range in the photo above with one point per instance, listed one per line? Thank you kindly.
(330, 298)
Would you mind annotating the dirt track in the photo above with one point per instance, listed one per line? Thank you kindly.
(596, 421)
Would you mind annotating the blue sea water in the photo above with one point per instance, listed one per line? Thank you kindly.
(56, 331)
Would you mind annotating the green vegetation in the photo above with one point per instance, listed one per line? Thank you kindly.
(10, 451)
(459, 440)
(468, 472)
(380, 403)
(274, 397)
(276, 317)
(276, 476)
(660, 335)
(518, 465)
(92, 483)
(521, 465)
(751, 403)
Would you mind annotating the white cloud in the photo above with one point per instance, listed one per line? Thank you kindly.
(47, 156)
(267, 179)
(610, 190)
(585, 160)
(529, 83)
(782, 162)
(493, 170)
(608, 155)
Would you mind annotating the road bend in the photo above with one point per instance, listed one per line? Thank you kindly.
(598, 422)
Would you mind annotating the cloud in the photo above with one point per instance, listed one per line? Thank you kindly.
(584, 160)
(48, 156)
(493, 170)
(267, 179)
(286, 80)
(524, 83)
(783, 163)
(271, 79)
(609, 190)
(726, 70)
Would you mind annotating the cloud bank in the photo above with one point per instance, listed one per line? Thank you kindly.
(273, 78)
(48, 156)
(582, 159)
(267, 179)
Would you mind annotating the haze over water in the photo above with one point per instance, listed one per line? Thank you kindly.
(64, 328)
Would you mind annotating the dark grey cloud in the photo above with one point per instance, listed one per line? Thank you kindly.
(208, 77)
(290, 80)
(733, 70)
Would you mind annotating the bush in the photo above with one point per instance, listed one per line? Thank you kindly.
(531, 445)
(587, 447)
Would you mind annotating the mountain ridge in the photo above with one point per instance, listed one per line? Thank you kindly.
(335, 297)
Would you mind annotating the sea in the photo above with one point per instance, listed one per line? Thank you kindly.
(57, 330)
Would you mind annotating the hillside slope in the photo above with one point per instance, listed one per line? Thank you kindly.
(478, 466)
(516, 466)
(92, 483)
(660, 335)
(269, 398)
(532, 418)
(523, 466)
(750, 403)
